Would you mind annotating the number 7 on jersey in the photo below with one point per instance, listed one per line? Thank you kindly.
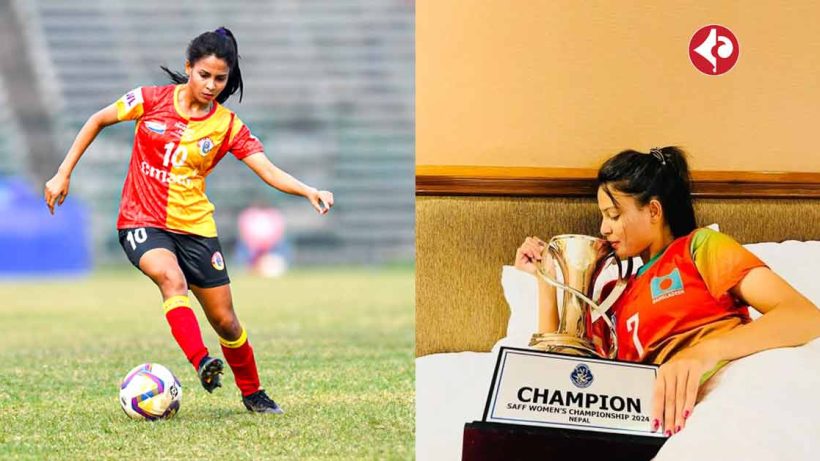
(632, 327)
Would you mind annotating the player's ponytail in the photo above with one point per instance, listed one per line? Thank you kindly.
(235, 75)
(222, 44)
(662, 174)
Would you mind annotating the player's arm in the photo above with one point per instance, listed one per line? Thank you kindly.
(789, 319)
(56, 189)
(321, 200)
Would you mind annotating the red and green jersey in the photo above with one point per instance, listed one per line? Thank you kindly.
(172, 155)
(681, 297)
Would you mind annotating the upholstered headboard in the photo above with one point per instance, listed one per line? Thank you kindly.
(464, 237)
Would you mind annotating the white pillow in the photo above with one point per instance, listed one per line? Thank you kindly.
(796, 262)
(521, 292)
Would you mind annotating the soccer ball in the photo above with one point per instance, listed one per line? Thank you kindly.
(150, 391)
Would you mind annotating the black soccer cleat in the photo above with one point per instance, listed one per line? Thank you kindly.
(259, 402)
(210, 371)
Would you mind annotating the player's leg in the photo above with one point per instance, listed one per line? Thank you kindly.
(217, 303)
(161, 266)
(153, 252)
(201, 261)
(218, 307)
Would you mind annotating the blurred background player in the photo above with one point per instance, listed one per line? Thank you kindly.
(165, 223)
(261, 240)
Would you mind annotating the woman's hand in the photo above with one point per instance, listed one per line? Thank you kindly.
(321, 200)
(56, 190)
(676, 387)
(531, 254)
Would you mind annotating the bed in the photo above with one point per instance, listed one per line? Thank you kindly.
(762, 407)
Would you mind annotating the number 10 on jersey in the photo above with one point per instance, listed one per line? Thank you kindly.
(177, 157)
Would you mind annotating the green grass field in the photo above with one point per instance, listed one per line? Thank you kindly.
(334, 348)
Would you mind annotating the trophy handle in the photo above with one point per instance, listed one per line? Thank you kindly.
(601, 309)
(543, 274)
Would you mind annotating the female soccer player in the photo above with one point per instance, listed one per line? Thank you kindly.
(166, 224)
(687, 306)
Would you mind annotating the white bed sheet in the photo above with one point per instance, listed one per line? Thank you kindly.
(451, 390)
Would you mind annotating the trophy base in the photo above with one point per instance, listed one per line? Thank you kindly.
(502, 442)
(563, 344)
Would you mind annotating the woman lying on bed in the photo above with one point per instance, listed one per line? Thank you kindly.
(687, 307)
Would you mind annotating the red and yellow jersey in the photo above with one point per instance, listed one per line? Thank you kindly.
(681, 297)
(172, 155)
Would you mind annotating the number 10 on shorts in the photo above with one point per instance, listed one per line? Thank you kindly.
(136, 236)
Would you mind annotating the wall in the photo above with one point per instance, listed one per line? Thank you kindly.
(566, 84)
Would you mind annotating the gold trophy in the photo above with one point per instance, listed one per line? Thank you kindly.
(581, 259)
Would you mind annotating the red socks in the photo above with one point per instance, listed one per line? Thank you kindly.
(185, 328)
(239, 355)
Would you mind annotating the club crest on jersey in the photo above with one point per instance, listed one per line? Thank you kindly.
(205, 146)
(666, 286)
(217, 261)
(156, 127)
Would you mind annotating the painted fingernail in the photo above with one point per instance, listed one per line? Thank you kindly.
(668, 433)
(655, 424)
(677, 429)
(686, 414)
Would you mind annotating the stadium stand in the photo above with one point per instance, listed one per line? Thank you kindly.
(12, 145)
